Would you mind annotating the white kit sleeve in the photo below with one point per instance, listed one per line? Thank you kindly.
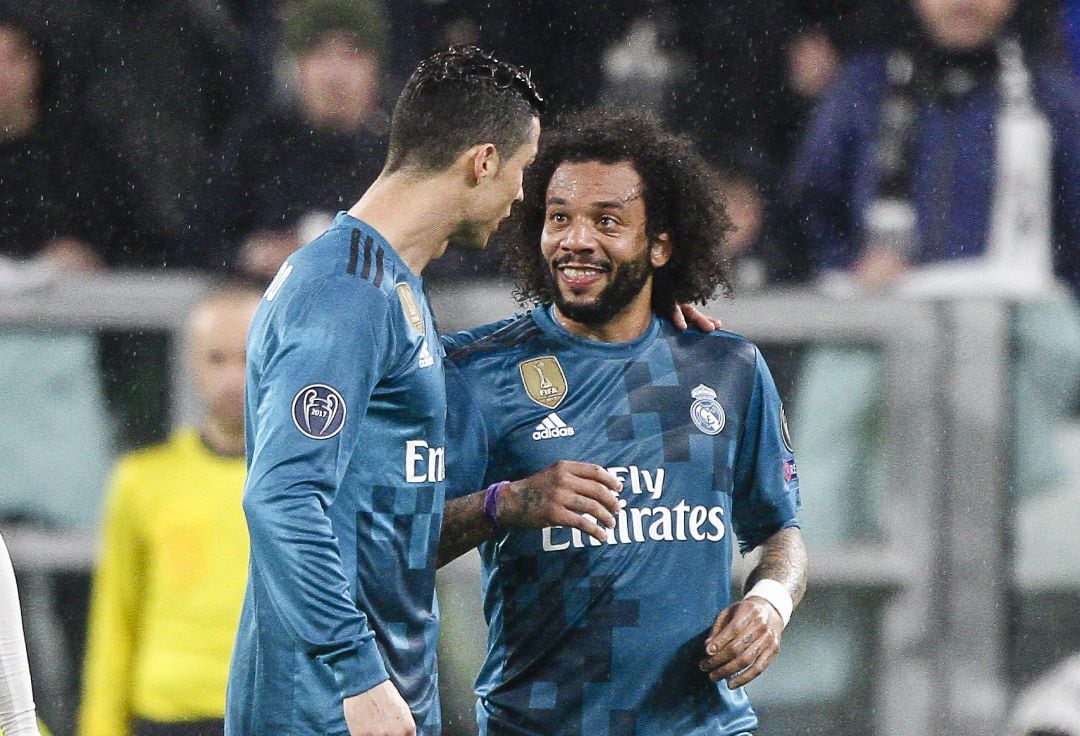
(17, 716)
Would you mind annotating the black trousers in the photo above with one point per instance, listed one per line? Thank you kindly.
(211, 727)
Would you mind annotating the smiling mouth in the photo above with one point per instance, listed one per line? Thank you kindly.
(580, 274)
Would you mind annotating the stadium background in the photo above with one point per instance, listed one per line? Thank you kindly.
(950, 595)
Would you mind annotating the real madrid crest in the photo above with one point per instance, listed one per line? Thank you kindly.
(408, 306)
(544, 380)
(706, 411)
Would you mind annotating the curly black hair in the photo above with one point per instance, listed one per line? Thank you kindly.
(681, 193)
(456, 99)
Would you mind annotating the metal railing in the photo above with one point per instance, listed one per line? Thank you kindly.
(941, 575)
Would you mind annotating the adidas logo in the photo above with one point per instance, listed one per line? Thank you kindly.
(552, 427)
(425, 356)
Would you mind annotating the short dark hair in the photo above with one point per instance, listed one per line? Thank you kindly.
(680, 190)
(456, 99)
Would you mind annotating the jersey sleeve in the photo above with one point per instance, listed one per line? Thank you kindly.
(766, 497)
(460, 339)
(321, 355)
(115, 618)
(466, 437)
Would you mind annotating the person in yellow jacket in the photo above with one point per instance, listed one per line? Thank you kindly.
(172, 565)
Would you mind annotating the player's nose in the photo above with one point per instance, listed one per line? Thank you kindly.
(579, 236)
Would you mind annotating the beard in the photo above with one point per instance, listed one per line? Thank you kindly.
(471, 236)
(627, 282)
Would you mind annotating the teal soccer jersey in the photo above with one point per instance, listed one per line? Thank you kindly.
(604, 639)
(345, 421)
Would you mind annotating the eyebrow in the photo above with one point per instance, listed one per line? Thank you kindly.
(605, 205)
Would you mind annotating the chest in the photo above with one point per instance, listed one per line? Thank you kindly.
(652, 420)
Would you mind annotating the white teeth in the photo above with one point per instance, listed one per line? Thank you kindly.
(578, 273)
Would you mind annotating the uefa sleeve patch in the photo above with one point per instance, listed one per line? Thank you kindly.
(318, 411)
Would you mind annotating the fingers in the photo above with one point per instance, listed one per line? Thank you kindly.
(750, 674)
(677, 317)
(568, 493)
(743, 641)
(687, 315)
(593, 472)
(588, 525)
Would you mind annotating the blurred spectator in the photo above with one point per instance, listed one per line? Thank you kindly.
(297, 163)
(1071, 32)
(162, 80)
(745, 201)
(946, 166)
(64, 200)
(173, 561)
(1050, 706)
(561, 42)
(755, 68)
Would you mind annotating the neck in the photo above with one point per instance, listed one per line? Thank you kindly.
(416, 214)
(629, 324)
(223, 438)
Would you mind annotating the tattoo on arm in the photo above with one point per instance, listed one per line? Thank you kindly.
(783, 559)
(464, 526)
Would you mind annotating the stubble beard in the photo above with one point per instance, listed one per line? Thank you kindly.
(629, 279)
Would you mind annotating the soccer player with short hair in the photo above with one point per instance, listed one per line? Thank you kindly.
(345, 415)
(611, 613)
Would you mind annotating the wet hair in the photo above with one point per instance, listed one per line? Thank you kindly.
(456, 99)
(680, 191)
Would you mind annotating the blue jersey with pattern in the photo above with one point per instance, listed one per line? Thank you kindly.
(604, 639)
(345, 421)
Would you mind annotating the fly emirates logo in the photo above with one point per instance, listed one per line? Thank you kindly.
(656, 523)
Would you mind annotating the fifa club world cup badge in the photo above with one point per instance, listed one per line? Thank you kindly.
(318, 411)
(544, 380)
(706, 411)
(409, 307)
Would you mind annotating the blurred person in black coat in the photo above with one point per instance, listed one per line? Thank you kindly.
(64, 198)
(298, 161)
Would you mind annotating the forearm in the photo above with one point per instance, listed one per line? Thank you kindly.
(783, 559)
(296, 552)
(464, 526)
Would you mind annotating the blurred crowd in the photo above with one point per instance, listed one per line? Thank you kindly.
(926, 146)
(221, 135)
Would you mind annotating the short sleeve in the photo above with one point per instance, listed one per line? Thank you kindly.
(766, 494)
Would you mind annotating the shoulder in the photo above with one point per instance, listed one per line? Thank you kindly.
(718, 345)
(492, 339)
(145, 465)
(339, 273)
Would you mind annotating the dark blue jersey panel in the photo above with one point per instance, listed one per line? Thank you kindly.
(595, 638)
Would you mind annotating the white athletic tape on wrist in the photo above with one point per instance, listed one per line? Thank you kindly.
(776, 594)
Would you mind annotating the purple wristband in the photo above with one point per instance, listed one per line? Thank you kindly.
(491, 503)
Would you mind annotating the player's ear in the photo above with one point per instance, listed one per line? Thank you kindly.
(660, 250)
(483, 162)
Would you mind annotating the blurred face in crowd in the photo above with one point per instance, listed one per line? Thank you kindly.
(595, 242)
(217, 336)
(746, 208)
(338, 83)
(19, 72)
(964, 25)
(495, 194)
